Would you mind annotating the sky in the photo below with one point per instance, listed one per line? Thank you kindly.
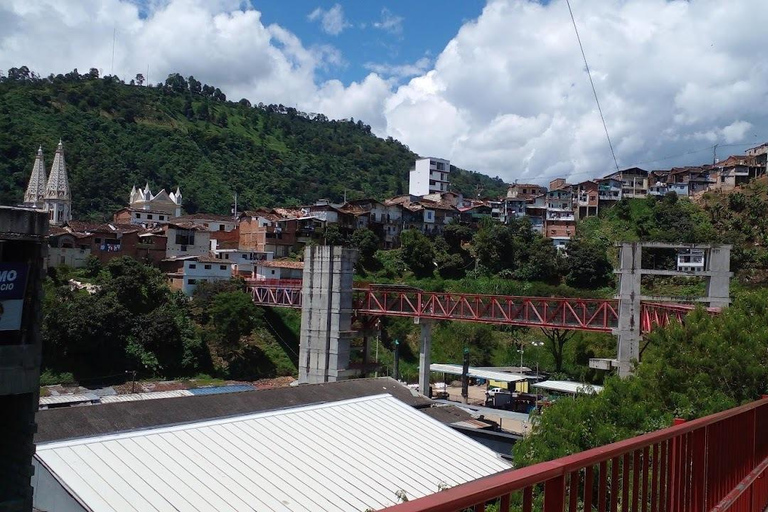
(496, 86)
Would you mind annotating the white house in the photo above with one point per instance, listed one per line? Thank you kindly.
(279, 269)
(185, 239)
(690, 260)
(186, 272)
(429, 175)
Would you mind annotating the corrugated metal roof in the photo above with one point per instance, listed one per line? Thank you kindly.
(132, 397)
(566, 386)
(343, 456)
(217, 390)
(67, 399)
(456, 369)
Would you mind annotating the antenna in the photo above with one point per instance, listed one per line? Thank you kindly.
(112, 67)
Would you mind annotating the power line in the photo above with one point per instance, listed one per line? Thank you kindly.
(592, 83)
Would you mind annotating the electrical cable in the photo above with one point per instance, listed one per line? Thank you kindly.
(592, 83)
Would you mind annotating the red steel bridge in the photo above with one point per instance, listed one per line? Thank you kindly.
(370, 300)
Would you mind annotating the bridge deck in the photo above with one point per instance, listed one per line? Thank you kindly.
(600, 315)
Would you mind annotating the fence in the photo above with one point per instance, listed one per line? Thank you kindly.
(716, 463)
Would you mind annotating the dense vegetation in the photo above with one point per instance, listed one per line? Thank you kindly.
(184, 133)
(134, 322)
(710, 364)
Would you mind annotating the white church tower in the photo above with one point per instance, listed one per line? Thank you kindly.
(35, 194)
(58, 199)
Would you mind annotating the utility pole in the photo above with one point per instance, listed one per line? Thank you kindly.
(397, 360)
(714, 154)
(235, 212)
(465, 376)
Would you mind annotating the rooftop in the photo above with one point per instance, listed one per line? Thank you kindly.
(353, 455)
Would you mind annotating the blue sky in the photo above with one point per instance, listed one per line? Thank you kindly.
(417, 29)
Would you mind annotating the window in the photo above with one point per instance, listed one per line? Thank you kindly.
(149, 216)
(226, 256)
(221, 227)
(97, 240)
(138, 215)
(223, 267)
(207, 267)
(192, 266)
(185, 237)
(162, 217)
(191, 281)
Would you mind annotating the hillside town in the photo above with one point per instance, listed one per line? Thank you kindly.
(204, 247)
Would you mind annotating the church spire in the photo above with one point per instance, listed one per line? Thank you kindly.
(58, 183)
(36, 189)
(58, 199)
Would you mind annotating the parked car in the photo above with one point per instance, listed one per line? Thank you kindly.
(494, 391)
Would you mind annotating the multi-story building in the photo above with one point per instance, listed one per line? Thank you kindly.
(265, 230)
(608, 191)
(429, 175)
(148, 209)
(634, 182)
(690, 260)
(186, 239)
(560, 222)
(736, 170)
(587, 202)
(760, 154)
(186, 273)
(536, 211)
(524, 190)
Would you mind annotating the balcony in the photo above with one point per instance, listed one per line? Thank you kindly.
(715, 463)
(560, 215)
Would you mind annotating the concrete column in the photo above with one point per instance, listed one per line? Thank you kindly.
(628, 330)
(326, 315)
(719, 282)
(424, 354)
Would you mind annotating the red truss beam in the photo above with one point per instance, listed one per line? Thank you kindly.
(600, 315)
(560, 313)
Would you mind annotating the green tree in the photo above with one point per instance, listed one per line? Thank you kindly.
(587, 264)
(234, 315)
(418, 253)
(367, 243)
(332, 235)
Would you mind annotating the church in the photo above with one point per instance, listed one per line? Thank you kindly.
(50, 193)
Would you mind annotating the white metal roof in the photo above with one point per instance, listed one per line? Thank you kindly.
(566, 386)
(456, 369)
(132, 397)
(343, 456)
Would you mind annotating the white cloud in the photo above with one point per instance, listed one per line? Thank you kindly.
(332, 21)
(400, 71)
(390, 22)
(507, 96)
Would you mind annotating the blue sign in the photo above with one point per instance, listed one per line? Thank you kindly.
(13, 280)
(13, 283)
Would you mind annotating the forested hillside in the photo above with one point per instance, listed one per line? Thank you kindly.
(185, 133)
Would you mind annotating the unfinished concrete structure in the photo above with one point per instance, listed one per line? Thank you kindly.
(716, 272)
(326, 318)
(23, 234)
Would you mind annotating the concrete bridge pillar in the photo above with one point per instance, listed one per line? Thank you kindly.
(326, 315)
(425, 342)
(628, 330)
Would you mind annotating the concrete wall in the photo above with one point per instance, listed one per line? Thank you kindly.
(72, 257)
(23, 241)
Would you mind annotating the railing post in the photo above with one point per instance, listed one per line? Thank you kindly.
(554, 494)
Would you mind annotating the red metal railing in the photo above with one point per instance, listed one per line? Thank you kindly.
(716, 463)
(549, 312)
